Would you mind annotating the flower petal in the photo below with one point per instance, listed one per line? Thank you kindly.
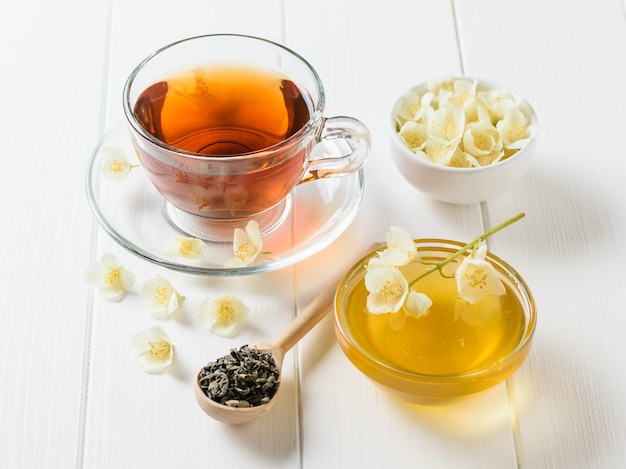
(115, 165)
(498, 102)
(163, 299)
(447, 125)
(185, 248)
(110, 277)
(401, 248)
(514, 127)
(464, 93)
(417, 304)
(388, 289)
(476, 277)
(414, 135)
(155, 347)
(247, 245)
(225, 314)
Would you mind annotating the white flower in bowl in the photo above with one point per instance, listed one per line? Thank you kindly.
(515, 128)
(447, 124)
(482, 144)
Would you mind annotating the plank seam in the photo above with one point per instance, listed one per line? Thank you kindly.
(87, 345)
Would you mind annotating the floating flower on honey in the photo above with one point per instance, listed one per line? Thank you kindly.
(155, 348)
(388, 289)
(110, 277)
(225, 314)
(417, 304)
(163, 299)
(476, 277)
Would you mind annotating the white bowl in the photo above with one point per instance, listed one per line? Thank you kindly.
(460, 185)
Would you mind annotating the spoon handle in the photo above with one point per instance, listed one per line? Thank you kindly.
(311, 315)
(307, 319)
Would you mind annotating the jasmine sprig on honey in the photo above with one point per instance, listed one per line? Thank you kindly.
(389, 290)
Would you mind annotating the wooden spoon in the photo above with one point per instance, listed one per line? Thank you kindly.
(303, 323)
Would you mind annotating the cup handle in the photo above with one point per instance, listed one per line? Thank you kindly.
(342, 149)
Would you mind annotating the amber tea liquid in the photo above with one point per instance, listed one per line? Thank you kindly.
(223, 112)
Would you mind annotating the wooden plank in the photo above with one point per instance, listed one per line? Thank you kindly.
(571, 411)
(138, 420)
(51, 84)
(70, 392)
(368, 54)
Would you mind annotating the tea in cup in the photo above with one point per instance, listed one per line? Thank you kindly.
(226, 126)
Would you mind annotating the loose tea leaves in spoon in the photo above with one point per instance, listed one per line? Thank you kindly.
(240, 387)
(245, 377)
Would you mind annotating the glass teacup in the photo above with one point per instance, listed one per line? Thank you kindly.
(227, 126)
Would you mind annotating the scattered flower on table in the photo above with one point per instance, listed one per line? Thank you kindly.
(185, 248)
(247, 245)
(163, 299)
(115, 164)
(389, 291)
(155, 348)
(453, 124)
(225, 314)
(110, 276)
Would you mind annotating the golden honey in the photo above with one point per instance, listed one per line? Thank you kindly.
(456, 349)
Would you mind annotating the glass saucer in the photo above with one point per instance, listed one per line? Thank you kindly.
(135, 215)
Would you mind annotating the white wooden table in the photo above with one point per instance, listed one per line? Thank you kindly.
(70, 392)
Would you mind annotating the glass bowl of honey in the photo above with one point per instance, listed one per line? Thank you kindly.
(456, 350)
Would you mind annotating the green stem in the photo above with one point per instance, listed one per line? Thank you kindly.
(472, 244)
